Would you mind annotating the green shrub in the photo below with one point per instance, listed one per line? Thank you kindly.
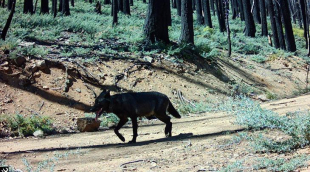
(26, 126)
(282, 164)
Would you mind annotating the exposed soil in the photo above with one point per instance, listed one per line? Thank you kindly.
(199, 142)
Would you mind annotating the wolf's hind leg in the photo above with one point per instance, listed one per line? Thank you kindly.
(121, 122)
(166, 119)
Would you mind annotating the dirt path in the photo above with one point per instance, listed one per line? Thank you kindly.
(198, 143)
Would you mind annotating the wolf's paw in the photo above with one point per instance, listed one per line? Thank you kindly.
(121, 137)
(131, 142)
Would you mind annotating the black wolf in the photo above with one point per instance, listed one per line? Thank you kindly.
(135, 105)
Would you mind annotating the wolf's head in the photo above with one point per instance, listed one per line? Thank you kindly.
(102, 103)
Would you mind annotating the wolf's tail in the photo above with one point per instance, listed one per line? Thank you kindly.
(173, 111)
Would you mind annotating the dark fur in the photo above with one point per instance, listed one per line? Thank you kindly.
(133, 105)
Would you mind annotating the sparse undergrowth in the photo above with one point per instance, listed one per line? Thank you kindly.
(20, 125)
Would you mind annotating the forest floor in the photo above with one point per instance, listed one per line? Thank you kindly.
(200, 142)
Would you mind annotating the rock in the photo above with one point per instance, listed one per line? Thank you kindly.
(45, 87)
(148, 59)
(87, 124)
(19, 61)
(78, 90)
(38, 133)
(6, 63)
(40, 64)
(262, 97)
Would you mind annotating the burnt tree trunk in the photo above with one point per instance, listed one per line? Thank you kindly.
(10, 4)
(249, 21)
(65, 8)
(107, 2)
(72, 3)
(256, 11)
(60, 5)
(126, 7)
(157, 22)
(44, 7)
(187, 28)
(98, 8)
(8, 22)
(120, 5)
(28, 6)
(263, 17)
(304, 19)
(207, 13)
(279, 25)
(220, 15)
(289, 35)
(54, 7)
(240, 4)
(199, 12)
(178, 7)
(212, 6)
(115, 10)
(275, 36)
(2, 3)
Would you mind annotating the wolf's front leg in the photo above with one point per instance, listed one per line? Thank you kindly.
(135, 129)
(121, 122)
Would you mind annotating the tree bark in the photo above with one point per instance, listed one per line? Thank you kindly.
(289, 35)
(157, 22)
(178, 7)
(8, 22)
(187, 28)
(271, 11)
(304, 19)
(256, 11)
(279, 25)
(44, 7)
(199, 12)
(249, 21)
(28, 6)
(65, 8)
(207, 13)
(106, 2)
(263, 17)
(126, 7)
(115, 10)
(54, 7)
(220, 15)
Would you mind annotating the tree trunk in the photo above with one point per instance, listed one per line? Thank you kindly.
(54, 7)
(72, 3)
(249, 21)
(156, 22)
(98, 7)
(107, 2)
(199, 12)
(263, 17)
(28, 6)
(227, 26)
(240, 4)
(178, 7)
(126, 7)
(3, 3)
(279, 25)
(120, 5)
(174, 4)
(304, 19)
(275, 37)
(256, 11)
(115, 10)
(220, 15)
(65, 8)
(289, 35)
(44, 7)
(207, 13)
(60, 5)
(187, 28)
(10, 4)
(8, 22)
